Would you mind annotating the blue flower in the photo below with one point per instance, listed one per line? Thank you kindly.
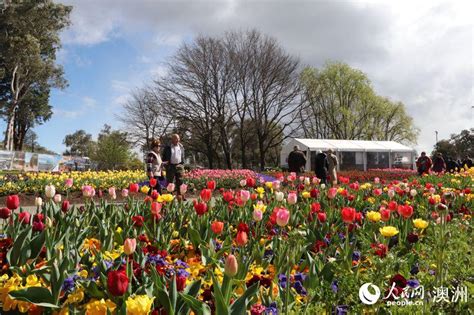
(182, 273)
(181, 263)
(341, 310)
(334, 286)
(268, 254)
(300, 277)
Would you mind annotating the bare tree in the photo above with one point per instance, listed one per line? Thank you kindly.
(196, 91)
(144, 117)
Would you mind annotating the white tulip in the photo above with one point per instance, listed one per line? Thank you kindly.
(413, 192)
(279, 196)
(57, 198)
(50, 191)
(38, 202)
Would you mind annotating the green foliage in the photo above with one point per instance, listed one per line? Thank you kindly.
(112, 151)
(458, 145)
(342, 104)
(29, 40)
(79, 143)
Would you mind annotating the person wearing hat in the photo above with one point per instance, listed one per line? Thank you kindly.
(332, 166)
(296, 160)
(321, 166)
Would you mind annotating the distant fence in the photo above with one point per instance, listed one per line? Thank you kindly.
(29, 161)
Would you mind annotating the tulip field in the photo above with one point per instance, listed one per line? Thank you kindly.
(267, 245)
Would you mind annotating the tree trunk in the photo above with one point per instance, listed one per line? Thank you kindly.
(261, 152)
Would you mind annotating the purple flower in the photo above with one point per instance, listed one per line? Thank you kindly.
(299, 288)
(182, 273)
(334, 286)
(415, 269)
(282, 280)
(69, 285)
(341, 310)
(300, 277)
(356, 255)
(271, 309)
(413, 283)
(181, 263)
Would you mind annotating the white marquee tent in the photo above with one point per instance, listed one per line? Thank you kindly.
(354, 154)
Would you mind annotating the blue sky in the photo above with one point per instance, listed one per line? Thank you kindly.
(416, 52)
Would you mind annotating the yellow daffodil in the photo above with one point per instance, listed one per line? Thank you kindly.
(260, 206)
(76, 296)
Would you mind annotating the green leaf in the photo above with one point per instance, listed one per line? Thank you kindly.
(240, 305)
(200, 308)
(191, 290)
(17, 247)
(35, 295)
(173, 292)
(221, 306)
(164, 300)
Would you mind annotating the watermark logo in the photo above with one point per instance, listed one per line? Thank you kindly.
(366, 296)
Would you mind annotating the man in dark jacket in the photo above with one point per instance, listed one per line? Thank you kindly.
(173, 159)
(296, 160)
(321, 166)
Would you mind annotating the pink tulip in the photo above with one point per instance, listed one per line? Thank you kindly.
(332, 192)
(87, 191)
(376, 180)
(378, 192)
(112, 193)
(68, 182)
(257, 215)
(183, 189)
(125, 192)
(276, 184)
(282, 217)
(292, 198)
(57, 198)
(129, 246)
(243, 182)
(244, 195)
(231, 266)
(170, 188)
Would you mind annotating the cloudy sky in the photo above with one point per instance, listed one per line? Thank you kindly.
(417, 52)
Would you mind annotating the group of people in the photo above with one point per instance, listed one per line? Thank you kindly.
(325, 164)
(170, 159)
(438, 164)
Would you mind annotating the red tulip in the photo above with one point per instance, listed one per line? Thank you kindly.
(241, 238)
(211, 185)
(254, 196)
(405, 211)
(392, 205)
(332, 192)
(13, 202)
(38, 226)
(24, 217)
(156, 210)
(385, 215)
(153, 182)
(251, 182)
(138, 220)
(200, 208)
(358, 217)
(315, 207)
(228, 196)
(134, 188)
(180, 283)
(314, 193)
(117, 282)
(322, 217)
(154, 194)
(348, 215)
(65, 206)
(5, 213)
(206, 195)
(217, 227)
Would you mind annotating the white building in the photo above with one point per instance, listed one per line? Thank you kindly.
(354, 154)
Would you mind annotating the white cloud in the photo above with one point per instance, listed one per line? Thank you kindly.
(417, 52)
(87, 104)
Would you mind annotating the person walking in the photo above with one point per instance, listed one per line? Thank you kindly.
(332, 166)
(439, 165)
(321, 166)
(173, 158)
(296, 160)
(423, 164)
(154, 164)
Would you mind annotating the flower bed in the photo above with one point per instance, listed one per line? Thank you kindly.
(197, 179)
(295, 248)
(34, 182)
